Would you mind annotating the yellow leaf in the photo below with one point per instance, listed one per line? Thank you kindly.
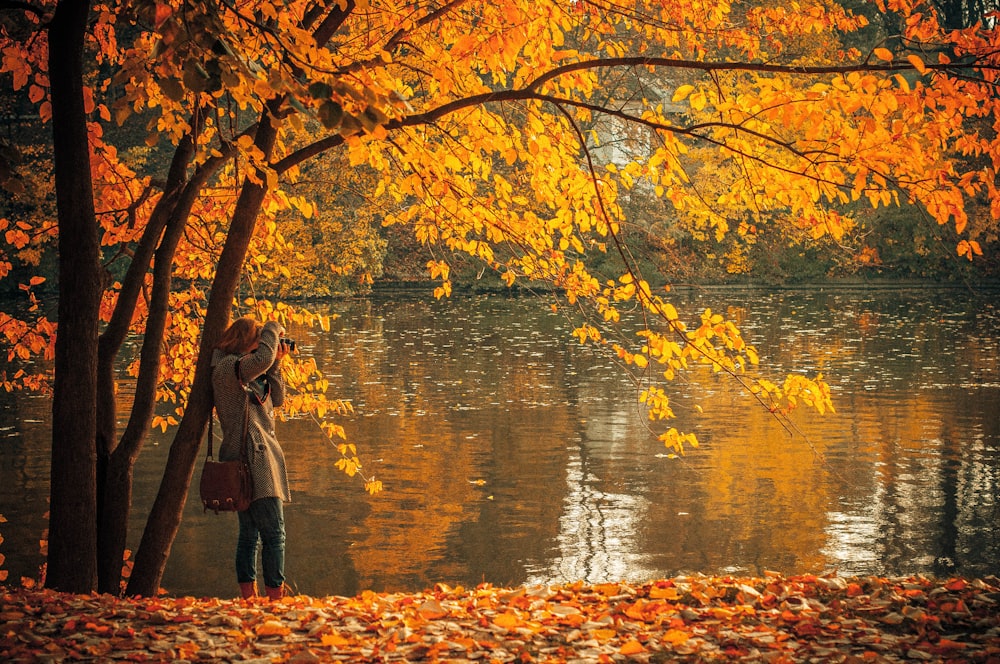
(669, 592)
(681, 93)
(507, 621)
(883, 54)
(604, 634)
(272, 628)
(608, 589)
(676, 636)
(917, 63)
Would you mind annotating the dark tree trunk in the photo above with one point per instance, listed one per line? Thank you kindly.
(952, 14)
(117, 458)
(114, 470)
(72, 554)
(119, 497)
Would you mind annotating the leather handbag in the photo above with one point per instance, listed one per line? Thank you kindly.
(227, 486)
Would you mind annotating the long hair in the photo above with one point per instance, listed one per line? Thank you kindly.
(240, 336)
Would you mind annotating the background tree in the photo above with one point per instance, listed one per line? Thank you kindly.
(474, 117)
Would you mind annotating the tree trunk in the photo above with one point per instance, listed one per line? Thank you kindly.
(165, 516)
(117, 458)
(114, 473)
(72, 554)
(116, 503)
(119, 499)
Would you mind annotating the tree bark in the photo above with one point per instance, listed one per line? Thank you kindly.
(114, 479)
(117, 457)
(122, 462)
(72, 552)
(117, 499)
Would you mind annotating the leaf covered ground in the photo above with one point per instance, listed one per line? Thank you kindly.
(696, 618)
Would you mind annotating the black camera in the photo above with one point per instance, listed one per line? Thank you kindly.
(288, 343)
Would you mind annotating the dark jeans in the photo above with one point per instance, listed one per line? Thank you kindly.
(264, 522)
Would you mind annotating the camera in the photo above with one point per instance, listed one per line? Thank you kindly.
(288, 343)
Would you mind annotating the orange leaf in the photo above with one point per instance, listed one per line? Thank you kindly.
(607, 589)
(432, 609)
(635, 611)
(632, 647)
(956, 584)
(508, 621)
(664, 593)
(883, 54)
(948, 644)
(917, 63)
(272, 628)
(676, 636)
(163, 12)
(333, 639)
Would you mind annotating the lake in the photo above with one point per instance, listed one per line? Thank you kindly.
(512, 455)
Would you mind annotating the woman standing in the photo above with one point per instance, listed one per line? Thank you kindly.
(247, 384)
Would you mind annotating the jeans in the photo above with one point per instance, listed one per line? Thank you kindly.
(263, 521)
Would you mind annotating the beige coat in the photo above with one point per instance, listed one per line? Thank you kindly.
(267, 459)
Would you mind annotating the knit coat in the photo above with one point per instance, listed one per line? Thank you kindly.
(267, 460)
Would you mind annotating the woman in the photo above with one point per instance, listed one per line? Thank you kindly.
(246, 379)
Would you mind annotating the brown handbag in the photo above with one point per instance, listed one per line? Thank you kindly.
(227, 486)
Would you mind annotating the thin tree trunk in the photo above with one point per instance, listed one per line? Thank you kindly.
(72, 553)
(119, 498)
(114, 480)
(115, 499)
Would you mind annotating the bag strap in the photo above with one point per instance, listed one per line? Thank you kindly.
(246, 419)
(246, 425)
(211, 437)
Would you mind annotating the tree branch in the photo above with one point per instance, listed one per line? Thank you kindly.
(15, 5)
(531, 91)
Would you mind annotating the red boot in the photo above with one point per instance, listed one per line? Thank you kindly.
(274, 593)
(248, 590)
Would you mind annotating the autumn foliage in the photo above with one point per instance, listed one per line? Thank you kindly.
(514, 132)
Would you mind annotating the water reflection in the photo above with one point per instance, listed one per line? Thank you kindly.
(512, 455)
(598, 532)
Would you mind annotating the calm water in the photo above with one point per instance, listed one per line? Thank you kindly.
(512, 455)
